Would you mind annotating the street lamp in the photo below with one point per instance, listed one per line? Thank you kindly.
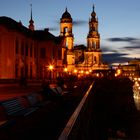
(75, 71)
(65, 72)
(51, 67)
(65, 69)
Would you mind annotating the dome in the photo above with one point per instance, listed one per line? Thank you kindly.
(66, 14)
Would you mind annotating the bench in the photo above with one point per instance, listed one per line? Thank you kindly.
(13, 107)
(60, 91)
(4, 122)
(36, 100)
(55, 90)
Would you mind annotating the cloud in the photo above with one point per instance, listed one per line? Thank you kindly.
(121, 53)
(107, 49)
(53, 28)
(79, 22)
(115, 58)
(50, 28)
(75, 22)
(132, 47)
(123, 39)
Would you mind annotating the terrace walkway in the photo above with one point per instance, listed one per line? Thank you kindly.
(108, 113)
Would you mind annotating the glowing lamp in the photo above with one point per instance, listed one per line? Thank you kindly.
(75, 71)
(65, 69)
(51, 67)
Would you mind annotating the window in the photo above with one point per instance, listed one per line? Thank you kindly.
(59, 54)
(53, 53)
(31, 50)
(17, 46)
(35, 51)
(95, 59)
(22, 48)
(26, 50)
(42, 53)
(31, 70)
(65, 30)
(16, 71)
(26, 70)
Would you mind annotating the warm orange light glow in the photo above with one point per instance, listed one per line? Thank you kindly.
(90, 70)
(82, 71)
(65, 69)
(51, 67)
(119, 72)
(97, 74)
(75, 71)
(135, 79)
(87, 72)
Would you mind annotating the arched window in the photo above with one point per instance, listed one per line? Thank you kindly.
(26, 49)
(16, 70)
(95, 59)
(16, 46)
(65, 30)
(31, 50)
(22, 48)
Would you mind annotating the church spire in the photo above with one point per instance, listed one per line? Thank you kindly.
(93, 7)
(93, 14)
(31, 13)
(66, 9)
(31, 22)
(93, 38)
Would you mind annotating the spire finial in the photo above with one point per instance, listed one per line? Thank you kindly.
(93, 7)
(31, 25)
(31, 12)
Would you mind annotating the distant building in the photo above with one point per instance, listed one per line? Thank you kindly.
(26, 52)
(132, 69)
(80, 57)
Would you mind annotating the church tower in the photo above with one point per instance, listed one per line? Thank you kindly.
(31, 22)
(93, 41)
(66, 29)
(66, 24)
(93, 38)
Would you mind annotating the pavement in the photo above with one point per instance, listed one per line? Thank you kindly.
(11, 89)
(48, 121)
(8, 91)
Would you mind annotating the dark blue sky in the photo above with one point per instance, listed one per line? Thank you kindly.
(119, 22)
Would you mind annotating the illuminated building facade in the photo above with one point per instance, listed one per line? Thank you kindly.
(93, 53)
(66, 31)
(132, 69)
(78, 57)
(26, 52)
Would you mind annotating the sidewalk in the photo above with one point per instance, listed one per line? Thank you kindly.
(8, 91)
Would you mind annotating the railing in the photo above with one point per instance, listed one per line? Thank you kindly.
(69, 126)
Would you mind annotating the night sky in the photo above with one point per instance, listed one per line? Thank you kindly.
(119, 22)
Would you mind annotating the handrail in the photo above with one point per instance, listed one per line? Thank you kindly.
(66, 131)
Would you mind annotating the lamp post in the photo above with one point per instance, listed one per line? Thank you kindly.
(51, 67)
(65, 72)
(76, 72)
